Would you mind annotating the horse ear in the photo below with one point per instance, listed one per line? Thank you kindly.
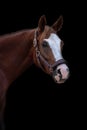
(58, 24)
(42, 22)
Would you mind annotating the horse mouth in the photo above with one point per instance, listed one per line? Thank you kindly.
(58, 80)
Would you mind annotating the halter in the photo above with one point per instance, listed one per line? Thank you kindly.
(41, 60)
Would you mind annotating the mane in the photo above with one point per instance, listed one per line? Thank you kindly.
(12, 34)
(14, 38)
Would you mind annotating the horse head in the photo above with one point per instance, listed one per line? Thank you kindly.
(48, 50)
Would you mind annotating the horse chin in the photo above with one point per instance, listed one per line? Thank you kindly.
(57, 80)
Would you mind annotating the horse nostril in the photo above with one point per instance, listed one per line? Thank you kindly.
(59, 71)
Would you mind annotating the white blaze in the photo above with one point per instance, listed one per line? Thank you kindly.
(54, 42)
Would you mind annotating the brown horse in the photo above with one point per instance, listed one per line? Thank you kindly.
(19, 50)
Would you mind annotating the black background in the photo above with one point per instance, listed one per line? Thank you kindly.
(35, 93)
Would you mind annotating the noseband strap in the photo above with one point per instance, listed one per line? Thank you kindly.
(41, 60)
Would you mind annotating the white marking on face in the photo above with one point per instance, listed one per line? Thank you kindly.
(54, 42)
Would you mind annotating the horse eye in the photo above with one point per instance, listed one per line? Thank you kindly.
(45, 44)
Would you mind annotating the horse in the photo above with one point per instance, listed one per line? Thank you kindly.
(40, 46)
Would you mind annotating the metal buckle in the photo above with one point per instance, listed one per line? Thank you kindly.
(34, 42)
(37, 53)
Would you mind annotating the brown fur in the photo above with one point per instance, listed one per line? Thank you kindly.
(46, 34)
(17, 54)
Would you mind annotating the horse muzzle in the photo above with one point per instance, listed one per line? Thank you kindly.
(61, 73)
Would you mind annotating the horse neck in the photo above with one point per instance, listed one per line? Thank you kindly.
(16, 54)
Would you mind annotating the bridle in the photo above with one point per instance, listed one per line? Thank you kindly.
(41, 60)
